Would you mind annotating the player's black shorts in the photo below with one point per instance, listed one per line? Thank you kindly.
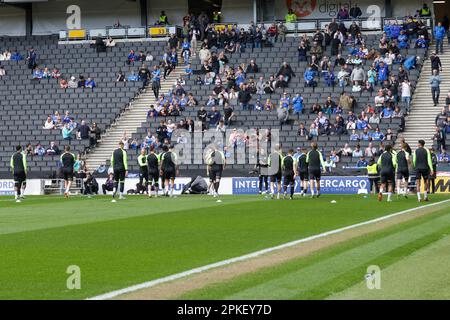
(119, 175)
(315, 174)
(403, 173)
(276, 177)
(304, 176)
(168, 174)
(67, 174)
(387, 177)
(153, 176)
(20, 178)
(143, 174)
(288, 178)
(215, 174)
(422, 173)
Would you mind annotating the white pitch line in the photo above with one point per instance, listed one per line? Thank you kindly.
(255, 254)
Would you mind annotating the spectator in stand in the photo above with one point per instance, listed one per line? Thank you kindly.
(286, 71)
(95, 134)
(443, 157)
(362, 163)
(109, 184)
(162, 19)
(358, 76)
(2, 71)
(439, 34)
(343, 13)
(272, 34)
(346, 151)
(99, 44)
(48, 124)
(39, 150)
(435, 83)
(309, 78)
(406, 94)
(67, 132)
(354, 136)
(282, 115)
(53, 149)
(131, 57)
(297, 103)
(252, 67)
(214, 117)
(436, 63)
(302, 131)
(439, 139)
(357, 153)
(37, 74)
(83, 131)
(244, 97)
(441, 119)
(290, 16)
(16, 56)
(110, 42)
(31, 58)
(282, 31)
(90, 83)
(355, 12)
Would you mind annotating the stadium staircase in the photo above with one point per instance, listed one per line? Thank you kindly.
(420, 124)
(128, 122)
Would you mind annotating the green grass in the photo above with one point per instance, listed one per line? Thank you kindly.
(338, 272)
(129, 242)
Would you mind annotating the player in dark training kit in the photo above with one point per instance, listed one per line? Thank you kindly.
(263, 168)
(119, 163)
(19, 169)
(68, 160)
(314, 159)
(275, 171)
(403, 161)
(143, 170)
(289, 166)
(215, 166)
(423, 165)
(388, 164)
(153, 172)
(168, 170)
(302, 169)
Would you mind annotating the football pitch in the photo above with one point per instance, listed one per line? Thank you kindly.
(118, 245)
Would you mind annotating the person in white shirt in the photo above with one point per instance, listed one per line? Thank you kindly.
(406, 93)
(49, 125)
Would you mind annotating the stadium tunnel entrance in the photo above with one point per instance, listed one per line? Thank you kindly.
(441, 10)
(209, 7)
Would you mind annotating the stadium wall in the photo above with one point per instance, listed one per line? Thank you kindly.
(12, 21)
(237, 186)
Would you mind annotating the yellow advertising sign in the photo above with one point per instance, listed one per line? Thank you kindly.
(443, 185)
(76, 34)
(157, 31)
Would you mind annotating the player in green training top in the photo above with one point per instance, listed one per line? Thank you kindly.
(67, 162)
(119, 163)
(289, 166)
(19, 170)
(423, 165)
(143, 170)
(315, 162)
(388, 165)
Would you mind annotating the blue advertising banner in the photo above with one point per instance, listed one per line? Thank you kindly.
(6, 187)
(328, 185)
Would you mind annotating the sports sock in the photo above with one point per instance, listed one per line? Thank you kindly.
(292, 190)
(389, 196)
(122, 187)
(425, 195)
(418, 196)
